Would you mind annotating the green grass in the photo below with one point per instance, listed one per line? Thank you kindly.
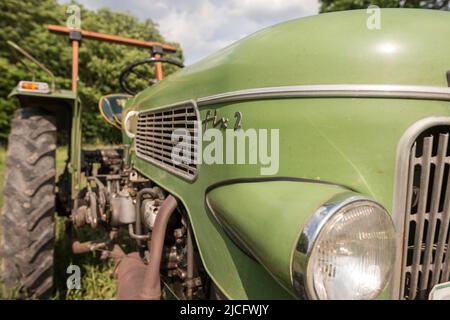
(2, 169)
(96, 280)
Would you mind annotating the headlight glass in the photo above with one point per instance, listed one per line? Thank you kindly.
(353, 254)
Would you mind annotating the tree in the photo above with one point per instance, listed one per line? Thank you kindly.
(339, 5)
(24, 22)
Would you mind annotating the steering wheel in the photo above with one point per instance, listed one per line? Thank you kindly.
(138, 72)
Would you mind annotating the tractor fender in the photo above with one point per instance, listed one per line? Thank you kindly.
(60, 103)
(266, 218)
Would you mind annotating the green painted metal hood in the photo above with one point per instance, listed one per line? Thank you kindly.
(411, 48)
(347, 141)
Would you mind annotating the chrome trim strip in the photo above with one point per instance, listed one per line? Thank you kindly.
(400, 192)
(331, 90)
(157, 163)
(169, 106)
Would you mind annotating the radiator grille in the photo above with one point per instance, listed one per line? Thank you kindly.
(426, 261)
(154, 139)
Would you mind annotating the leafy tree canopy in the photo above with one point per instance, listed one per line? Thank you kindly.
(24, 22)
(339, 5)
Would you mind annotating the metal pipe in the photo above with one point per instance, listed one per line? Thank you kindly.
(75, 46)
(79, 247)
(158, 68)
(35, 61)
(137, 236)
(190, 263)
(136, 280)
(138, 215)
(129, 271)
(151, 289)
(112, 38)
(83, 247)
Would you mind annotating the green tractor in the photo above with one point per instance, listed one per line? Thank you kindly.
(309, 160)
(32, 190)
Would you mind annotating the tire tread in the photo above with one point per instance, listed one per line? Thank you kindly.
(29, 203)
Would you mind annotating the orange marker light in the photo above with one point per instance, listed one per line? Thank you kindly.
(31, 86)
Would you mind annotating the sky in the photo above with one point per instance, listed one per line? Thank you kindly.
(204, 26)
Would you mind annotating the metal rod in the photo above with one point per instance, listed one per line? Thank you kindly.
(35, 61)
(190, 262)
(75, 46)
(83, 247)
(136, 236)
(112, 38)
(158, 68)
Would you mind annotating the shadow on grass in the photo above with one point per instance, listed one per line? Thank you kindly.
(97, 282)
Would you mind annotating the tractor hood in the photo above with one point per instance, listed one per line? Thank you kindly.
(346, 137)
(344, 140)
(350, 141)
(410, 47)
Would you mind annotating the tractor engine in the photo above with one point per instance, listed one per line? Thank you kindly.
(117, 198)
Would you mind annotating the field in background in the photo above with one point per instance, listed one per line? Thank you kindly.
(96, 282)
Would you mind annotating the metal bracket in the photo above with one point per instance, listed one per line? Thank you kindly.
(157, 50)
(75, 35)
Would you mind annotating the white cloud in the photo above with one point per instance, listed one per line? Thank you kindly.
(204, 26)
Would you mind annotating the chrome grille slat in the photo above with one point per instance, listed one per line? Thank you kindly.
(446, 268)
(435, 197)
(161, 130)
(423, 267)
(441, 245)
(408, 208)
(426, 214)
(159, 135)
(184, 122)
(439, 216)
(423, 192)
(163, 155)
(154, 137)
(161, 144)
(163, 159)
(176, 115)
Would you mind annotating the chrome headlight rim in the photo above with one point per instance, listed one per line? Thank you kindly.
(302, 278)
(126, 126)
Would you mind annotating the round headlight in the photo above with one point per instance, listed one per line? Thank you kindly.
(351, 250)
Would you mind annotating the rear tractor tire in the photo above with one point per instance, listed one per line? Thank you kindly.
(29, 204)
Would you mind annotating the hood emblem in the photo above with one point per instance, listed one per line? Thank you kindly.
(222, 122)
